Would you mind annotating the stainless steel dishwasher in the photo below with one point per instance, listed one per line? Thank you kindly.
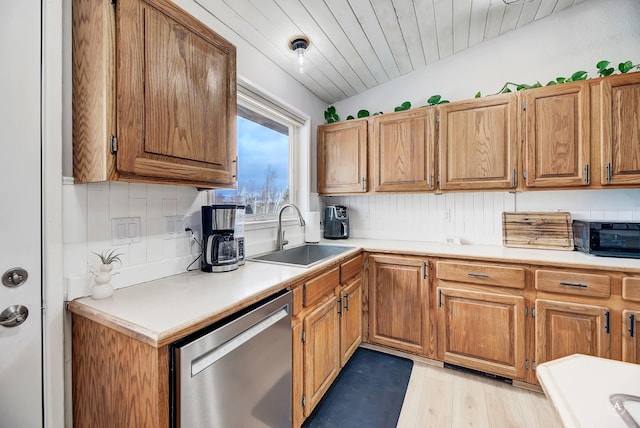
(236, 373)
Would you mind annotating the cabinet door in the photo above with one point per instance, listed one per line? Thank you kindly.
(478, 144)
(482, 330)
(403, 147)
(556, 135)
(570, 328)
(176, 95)
(297, 371)
(342, 157)
(398, 306)
(321, 352)
(620, 129)
(351, 319)
(630, 333)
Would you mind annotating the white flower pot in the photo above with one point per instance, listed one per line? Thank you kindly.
(102, 287)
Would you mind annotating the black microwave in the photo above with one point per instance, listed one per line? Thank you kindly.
(606, 238)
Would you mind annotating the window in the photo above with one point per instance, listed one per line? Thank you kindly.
(267, 137)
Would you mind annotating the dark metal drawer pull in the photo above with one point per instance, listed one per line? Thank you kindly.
(478, 275)
(573, 284)
(632, 323)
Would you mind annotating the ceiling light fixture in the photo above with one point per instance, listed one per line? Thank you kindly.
(299, 45)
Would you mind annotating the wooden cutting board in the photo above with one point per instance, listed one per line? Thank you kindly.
(550, 230)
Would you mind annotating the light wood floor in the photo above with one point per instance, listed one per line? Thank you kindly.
(443, 397)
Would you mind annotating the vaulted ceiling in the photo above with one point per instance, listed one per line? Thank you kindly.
(358, 44)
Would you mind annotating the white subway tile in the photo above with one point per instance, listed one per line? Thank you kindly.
(169, 192)
(75, 258)
(74, 213)
(119, 199)
(169, 208)
(625, 215)
(100, 186)
(137, 191)
(138, 253)
(98, 219)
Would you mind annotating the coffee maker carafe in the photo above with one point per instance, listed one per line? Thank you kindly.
(220, 252)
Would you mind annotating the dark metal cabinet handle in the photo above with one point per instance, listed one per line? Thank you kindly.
(573, 284)
(632, 324)
(606, 325)
(424, 270)
(340, 307)
(478, 275)
(346, 302)
(586, 174)
(609, 172)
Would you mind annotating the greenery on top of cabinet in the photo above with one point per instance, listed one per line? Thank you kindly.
(602, 67)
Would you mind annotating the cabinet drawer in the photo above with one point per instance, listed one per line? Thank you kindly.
(477, 273)
(316, 288)
(631, 289)
(350, 268)
(576, 283)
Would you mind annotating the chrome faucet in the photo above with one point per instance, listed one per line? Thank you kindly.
(280, 241)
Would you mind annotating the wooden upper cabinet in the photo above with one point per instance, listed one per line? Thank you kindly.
(342, 157)
(556, 135)
(403, 150)
(620, 129)
(478, 144)
(162, 84)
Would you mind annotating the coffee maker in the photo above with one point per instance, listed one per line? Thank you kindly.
(336, 222)
(220, 250)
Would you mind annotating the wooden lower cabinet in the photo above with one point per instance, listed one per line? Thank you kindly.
(564, 328)
(350, 320)
(630, 336)
(118, 381)
(297, 369)
(321, 352)
(398, 303)
(482, 330)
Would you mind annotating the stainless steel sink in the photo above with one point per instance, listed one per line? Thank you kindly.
(304, 255)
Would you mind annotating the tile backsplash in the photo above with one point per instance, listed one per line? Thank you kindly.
(476, 217)
(163, 249)
(88, 210)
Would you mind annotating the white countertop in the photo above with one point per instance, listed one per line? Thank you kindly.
(160, 309)
(580, 387)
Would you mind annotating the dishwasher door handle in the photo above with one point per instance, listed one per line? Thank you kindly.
(205, 360)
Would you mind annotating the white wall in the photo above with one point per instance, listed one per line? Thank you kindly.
(559, 45)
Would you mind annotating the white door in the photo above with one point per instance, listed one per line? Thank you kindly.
(20, 215)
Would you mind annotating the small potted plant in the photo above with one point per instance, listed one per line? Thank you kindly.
(102, 288)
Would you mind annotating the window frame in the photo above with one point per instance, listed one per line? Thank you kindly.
(258, 101)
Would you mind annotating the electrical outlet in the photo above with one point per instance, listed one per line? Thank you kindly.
(445, 216)
(125, 230)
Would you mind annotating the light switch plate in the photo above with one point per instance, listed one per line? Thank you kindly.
(175, 227)
(125, 230)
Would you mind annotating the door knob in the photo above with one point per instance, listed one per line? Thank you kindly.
(14, 277)
(13, 316)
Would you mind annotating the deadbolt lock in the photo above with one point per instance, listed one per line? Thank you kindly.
(14, 277)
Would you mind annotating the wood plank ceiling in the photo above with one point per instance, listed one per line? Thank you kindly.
(359, 44)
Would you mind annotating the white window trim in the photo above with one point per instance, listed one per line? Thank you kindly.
(254, 98)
